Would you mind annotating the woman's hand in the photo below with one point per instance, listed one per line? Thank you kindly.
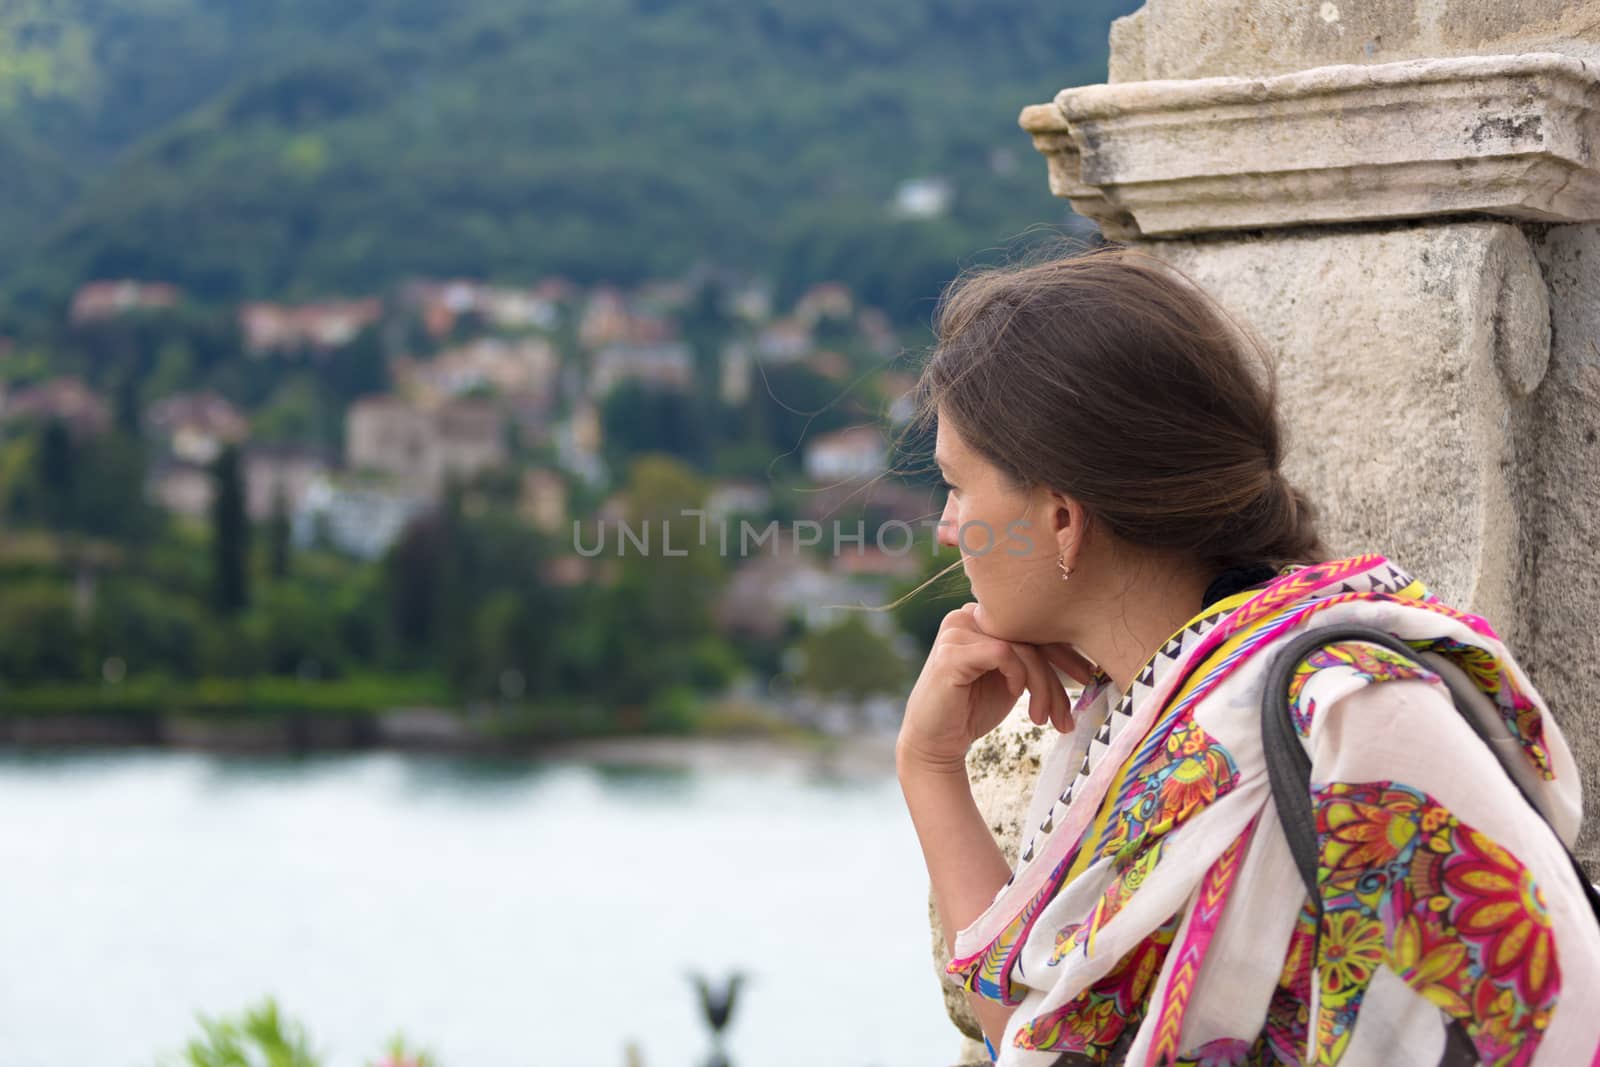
(971, 680)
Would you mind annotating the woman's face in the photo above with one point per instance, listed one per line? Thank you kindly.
(1008, 539)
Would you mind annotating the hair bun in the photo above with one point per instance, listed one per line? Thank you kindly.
(1289, 496)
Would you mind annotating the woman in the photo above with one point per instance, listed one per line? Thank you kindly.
(1112, 462)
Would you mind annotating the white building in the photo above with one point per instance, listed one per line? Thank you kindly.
(727, 499)
(283, 473)
(666, 365)
(196, 426)
(923, 198)
(856, 452)
(765, 591)
(424, 447)
(784, 341)
(363, 521)
(734, 384)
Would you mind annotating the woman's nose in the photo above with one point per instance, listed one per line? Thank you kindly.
(947, 534)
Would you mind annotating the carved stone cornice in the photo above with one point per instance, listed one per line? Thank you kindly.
(1511, 136)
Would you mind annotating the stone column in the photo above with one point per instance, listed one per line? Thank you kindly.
(1400, 199)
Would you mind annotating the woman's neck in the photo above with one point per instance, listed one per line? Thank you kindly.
(1135, 616)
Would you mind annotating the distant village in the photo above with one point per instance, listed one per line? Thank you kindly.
(514, 380)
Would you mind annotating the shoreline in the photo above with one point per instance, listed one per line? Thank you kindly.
(854, 755)
(849, 755)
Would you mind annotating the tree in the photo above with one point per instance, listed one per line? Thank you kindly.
(794, 404)
(851, 659)
(639, 418)
(504, 639)
(230, 535)
(293, 627)
(357, 368)
(662, 604)
(42, 642)
(57, 475)
(278, 530)
(414, 572)
(500, 643)
(147, 624)
(111, 501)
(126, 406)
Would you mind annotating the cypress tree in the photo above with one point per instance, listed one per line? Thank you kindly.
(57, 466)
(230, 535)
(278, 533)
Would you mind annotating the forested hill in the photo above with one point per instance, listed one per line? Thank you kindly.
(290, 147)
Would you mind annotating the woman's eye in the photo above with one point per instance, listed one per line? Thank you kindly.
(946, 486)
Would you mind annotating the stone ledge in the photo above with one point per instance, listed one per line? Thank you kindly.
(1511, 136)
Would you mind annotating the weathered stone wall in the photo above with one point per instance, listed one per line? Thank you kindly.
(1400, 200)
(1563, 650)
(1403, 360)
(1441, 384)
(1203, 38)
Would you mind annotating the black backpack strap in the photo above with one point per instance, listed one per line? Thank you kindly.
(1289, 766)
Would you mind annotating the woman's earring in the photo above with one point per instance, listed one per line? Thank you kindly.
(1066, 571)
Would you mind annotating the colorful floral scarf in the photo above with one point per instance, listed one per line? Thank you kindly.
(1156, 916)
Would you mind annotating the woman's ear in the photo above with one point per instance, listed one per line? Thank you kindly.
(1068, 522)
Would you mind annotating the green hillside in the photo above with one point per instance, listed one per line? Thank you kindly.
(292, 147)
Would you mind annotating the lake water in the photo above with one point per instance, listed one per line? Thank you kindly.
(501, 914)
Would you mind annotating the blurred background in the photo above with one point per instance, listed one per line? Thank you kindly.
(346, 352)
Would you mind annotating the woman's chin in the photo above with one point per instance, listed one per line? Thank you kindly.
(1007, 629)
(985, 621)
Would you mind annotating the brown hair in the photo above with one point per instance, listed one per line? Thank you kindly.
(1111, 377)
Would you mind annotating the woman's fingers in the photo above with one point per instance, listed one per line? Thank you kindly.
(961, 619)
(1047, 701)
(1070, 660)
(971, 654)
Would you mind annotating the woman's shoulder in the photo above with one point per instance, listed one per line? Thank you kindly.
(1331, 671)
